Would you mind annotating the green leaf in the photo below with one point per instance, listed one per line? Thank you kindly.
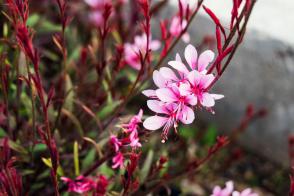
(104, 169)
(107, 109)
(210, 136)
(47, 161)
(76, 158)
(17, 147)
(147, 165)
(187, 132)
(89, 159)
(47, 26)
(2, 133)
(33, 20)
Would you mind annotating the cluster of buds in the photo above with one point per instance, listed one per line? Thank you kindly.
(83, 185)
(130, 130)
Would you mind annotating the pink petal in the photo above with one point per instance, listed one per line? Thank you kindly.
(154, 45)
(186, 37)
(206, 80)
(217, 96)
(191, 56)
(187, 115)
(178, 57)
(158, 79)
(166, 95)
(194, 77)
(204, 59)
(184, 89)
(179, 66)
(192, 100)
(168, 73)
(207, 100)
(154, 122)
(156, 106)
(149, 93)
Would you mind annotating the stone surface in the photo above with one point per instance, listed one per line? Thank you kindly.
(261, 73)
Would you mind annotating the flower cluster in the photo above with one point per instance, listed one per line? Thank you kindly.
(180, 90)
(229, 191)
(132, 139)
(83, 185)
(132, 50)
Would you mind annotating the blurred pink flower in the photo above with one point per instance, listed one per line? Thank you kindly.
(115, 142)
(118, 161)
(227, 191)
(96, 3)
(246, 192)
(177, 26)
(79, 185)
(132, 50)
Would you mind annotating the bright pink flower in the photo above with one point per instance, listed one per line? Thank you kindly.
(132, 50)
(246, 192)
(133, 124)
(96, 17)
(227, 191)
(115, 142)
(197, 86)
(118, 161)
(134, 140)
(80, 185)
(169, 116)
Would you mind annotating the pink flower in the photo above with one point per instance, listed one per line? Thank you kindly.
(96, 17)
(115, 142)
(134, 140)
(177, 26)
(132, 50)
(96, 3)
(133, 124)
(80, 185)
(169, 115)
(179, 90)
(246, 192)
(118, 161)
(197, 85)
(227, 191)
(194, 63)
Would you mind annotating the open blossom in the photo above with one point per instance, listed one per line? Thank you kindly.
(133, 50)
(229, 191)
(79, 185)
(180, 88)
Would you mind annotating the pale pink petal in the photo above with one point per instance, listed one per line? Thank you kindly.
(184, 89)
(166, 95)
(186, 37)
(187, 115)
(236, 193)
(168, 73)
(158, 79)
(179, 66)
(229, 187)
(154, 45)
(178, 58)
(194, 77)
(154, 122)
(204, 59)
(191, 56)
(206, 80)
(217, 96)
(207, 100)
(216, 191)
(149, 93)
(157, 106)
(192, 100)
